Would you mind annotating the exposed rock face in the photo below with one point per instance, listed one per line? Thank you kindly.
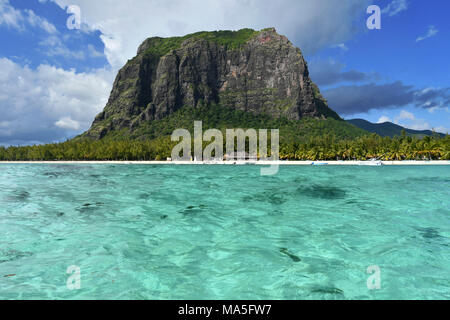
(260, 72)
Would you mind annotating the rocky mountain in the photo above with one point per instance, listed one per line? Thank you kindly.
(257, 72)
(389, 129)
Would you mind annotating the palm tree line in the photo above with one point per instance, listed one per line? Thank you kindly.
(322, 147)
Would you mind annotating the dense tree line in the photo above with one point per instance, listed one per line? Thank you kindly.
(324, 147)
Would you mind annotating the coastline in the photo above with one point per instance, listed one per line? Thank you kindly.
(262, 163)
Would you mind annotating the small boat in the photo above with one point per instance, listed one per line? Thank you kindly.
(319, 164)
(371, 162)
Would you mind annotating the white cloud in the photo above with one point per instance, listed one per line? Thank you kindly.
(432, 109)
(405, 115)
(93, 53)
(311, 25)
(341, 46)
(9, 16)
(442, 130)
(384, 119)
(53, 46)
(67, 123)
(419, 126)
(36, 21)
(432, 31)
(409, 120)
(49, 103)
(17, 19)
(395, 7)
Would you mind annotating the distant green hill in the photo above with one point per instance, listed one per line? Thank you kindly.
(389, 129)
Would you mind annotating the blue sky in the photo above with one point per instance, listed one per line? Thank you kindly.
(54, 80)
(399, 62)
(32, 45)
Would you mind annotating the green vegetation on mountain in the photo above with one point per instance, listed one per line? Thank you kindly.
(230, 39)
(222, 118)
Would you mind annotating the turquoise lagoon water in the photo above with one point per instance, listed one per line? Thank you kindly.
(224, 232)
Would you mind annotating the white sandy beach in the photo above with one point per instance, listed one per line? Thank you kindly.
(263, 163)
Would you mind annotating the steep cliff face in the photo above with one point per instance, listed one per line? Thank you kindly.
(260, 72)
